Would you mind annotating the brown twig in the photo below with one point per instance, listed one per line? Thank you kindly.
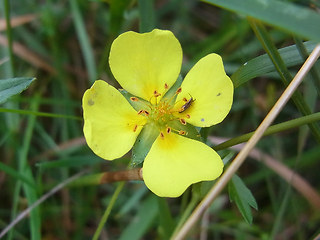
(128, 175)
(17, 21)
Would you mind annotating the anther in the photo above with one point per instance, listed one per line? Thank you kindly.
(135, 128)
(185, 100)
(178, 90)
(162, 135)
(168, 130)
(187, 116)
(134, 99)
(166, 86)
(141, 111)
(156, 94)
(146, 113)
(181, 132)
(183, 121)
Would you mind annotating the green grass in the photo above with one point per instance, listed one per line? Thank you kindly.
(262, 44)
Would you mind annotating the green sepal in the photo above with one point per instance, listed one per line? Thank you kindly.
(190, 130)
(173, 89)
(243, 197)
(142, 146)
(141, 104)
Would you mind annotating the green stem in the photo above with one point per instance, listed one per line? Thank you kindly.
(84, 40)
(282, 70)
(41, 114)
(313, 71)
(108, 210)
(147, 15)
(271, 130)
(9, 36)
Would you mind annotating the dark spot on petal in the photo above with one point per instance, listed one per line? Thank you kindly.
(218, 94)
(90, 102)
(202, 119)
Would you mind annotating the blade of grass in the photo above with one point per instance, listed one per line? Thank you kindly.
(108, 211)
(147, 15)
(286, 77)
(166, 221)
(15, 174)
(313, 72)
(9, 37)
(25, 169)
(41, 114)
(27, 211)
(285, 15)
(262, 65)
(145, 218)
(84, 40)
(237, 162)
(271, 130)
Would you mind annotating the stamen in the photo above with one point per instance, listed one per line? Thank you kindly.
(187, 116)
(185, 100)
(168, 130)
(166, 86)
(146, 113)
(162, 135)
(140, 112)
(135, 128)
(178, 90)
(181, 132)
(134, 99)
(183, 121)
(156, 94)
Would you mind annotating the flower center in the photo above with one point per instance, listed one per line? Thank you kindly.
(161, 113)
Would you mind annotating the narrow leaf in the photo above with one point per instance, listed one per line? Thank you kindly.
(243, 197)
(263, 65)
(144, 219)
(13, 86)
(285, 15)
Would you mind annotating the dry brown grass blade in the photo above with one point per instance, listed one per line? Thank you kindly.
(293, 178)
(237, 162)
(44, 197)
(27, 55)
(17, 21)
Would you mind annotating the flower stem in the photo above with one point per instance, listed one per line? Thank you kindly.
(271, 130)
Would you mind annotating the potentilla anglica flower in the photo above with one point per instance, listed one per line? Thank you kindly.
(147, 66)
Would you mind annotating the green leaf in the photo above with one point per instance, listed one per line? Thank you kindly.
(147, 15)
(285, 15)
(117, 9)
(166, 222)
(13, 86)
(262, 65)
(15, 174)
(145, 217)
(243, 197)
(267, 43)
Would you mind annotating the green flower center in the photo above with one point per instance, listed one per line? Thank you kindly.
(161, 113)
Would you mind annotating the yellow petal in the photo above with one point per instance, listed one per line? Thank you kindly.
(144, 63)
(211, 90)
(175, 162)
(111, 125)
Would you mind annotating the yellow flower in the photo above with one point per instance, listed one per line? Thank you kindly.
(147, 66)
